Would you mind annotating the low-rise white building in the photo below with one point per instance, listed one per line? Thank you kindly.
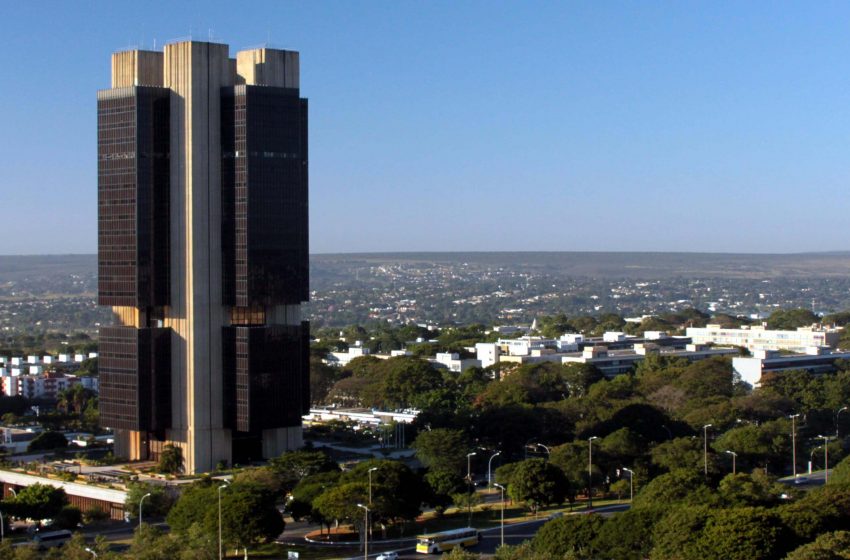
(453, 362)
(761, 338)
(487, 353)
(816, 360)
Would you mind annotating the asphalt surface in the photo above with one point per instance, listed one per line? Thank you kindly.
(491, 538)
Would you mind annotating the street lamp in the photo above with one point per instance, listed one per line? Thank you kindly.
(469, 482)
(2, 530)
(590, 471)
(631, 483)
(502, 529)
(548, 451)
(489, 464)
(705, 447)
(373, 469)
(220, 488)
(365, 532)
(825, 458)
(793, 418)
(734, 459)
(140, 509)
(837, 414)
(93, 553)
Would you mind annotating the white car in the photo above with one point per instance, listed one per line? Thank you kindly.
(388, 556)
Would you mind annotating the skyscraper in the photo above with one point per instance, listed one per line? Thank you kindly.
(203, 253)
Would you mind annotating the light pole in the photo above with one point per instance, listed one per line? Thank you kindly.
(220, 551)
(140, 509)
(2, 530)
(548, 451)
(365, 532)
(469, 482)
(734, 458)
(489, 464)
(793, 418)
(837, 414)
(373, 469)
(590, 471)
(502, 529)
(705, 448)
(631, 483)
(93, 553)
(825, 458)
(14, 492)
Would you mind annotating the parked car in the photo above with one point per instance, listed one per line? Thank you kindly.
(387, 556)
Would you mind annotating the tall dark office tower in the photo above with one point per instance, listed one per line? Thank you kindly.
(203, 253)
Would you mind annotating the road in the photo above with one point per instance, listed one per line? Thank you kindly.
(491, 538)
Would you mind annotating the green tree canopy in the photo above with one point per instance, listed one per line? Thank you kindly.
(536, 482)
(47, 441)
(573, 534)
(37, 501)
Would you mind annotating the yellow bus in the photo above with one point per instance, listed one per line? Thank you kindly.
(434, 543)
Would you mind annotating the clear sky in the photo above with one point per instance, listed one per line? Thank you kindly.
(466, 125)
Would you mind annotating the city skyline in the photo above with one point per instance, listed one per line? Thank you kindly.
(485, 126)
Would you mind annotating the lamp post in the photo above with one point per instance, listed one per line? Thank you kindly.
(373, 469)
(365, 532)
(2, 530)
(705, 448)
(734, 458)
(837, 414)
(142, 501)
(590, 471)
(92, 552)
(489, 464)
(546, 449)
(825, 458)
(793, 418)
(220, 551)
(469, 483)
(631, 483)
(502, 528)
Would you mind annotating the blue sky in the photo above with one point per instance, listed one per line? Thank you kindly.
(454, 126)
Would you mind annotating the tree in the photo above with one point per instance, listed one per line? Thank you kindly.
(340, 503)
(536, 482)
(791, 319)
(829, 546)
(442, 484)
(192, 506)
(305, 493)
(441, 449)
(743, 534)
(171, 459)
(48, 441)
(322, 379)
(676, 534)
(294, 466)
(69, 517)
(628, 535)
(397, 493)
(248, 516)
(679, 453)
(158, 503)
(38, 501)
(756, 489)
(676, 487)
(574, 534)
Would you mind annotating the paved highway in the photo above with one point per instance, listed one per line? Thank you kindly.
(491, 538)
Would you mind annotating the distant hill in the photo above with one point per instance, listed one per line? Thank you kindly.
(625, 265)
(579, 264)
